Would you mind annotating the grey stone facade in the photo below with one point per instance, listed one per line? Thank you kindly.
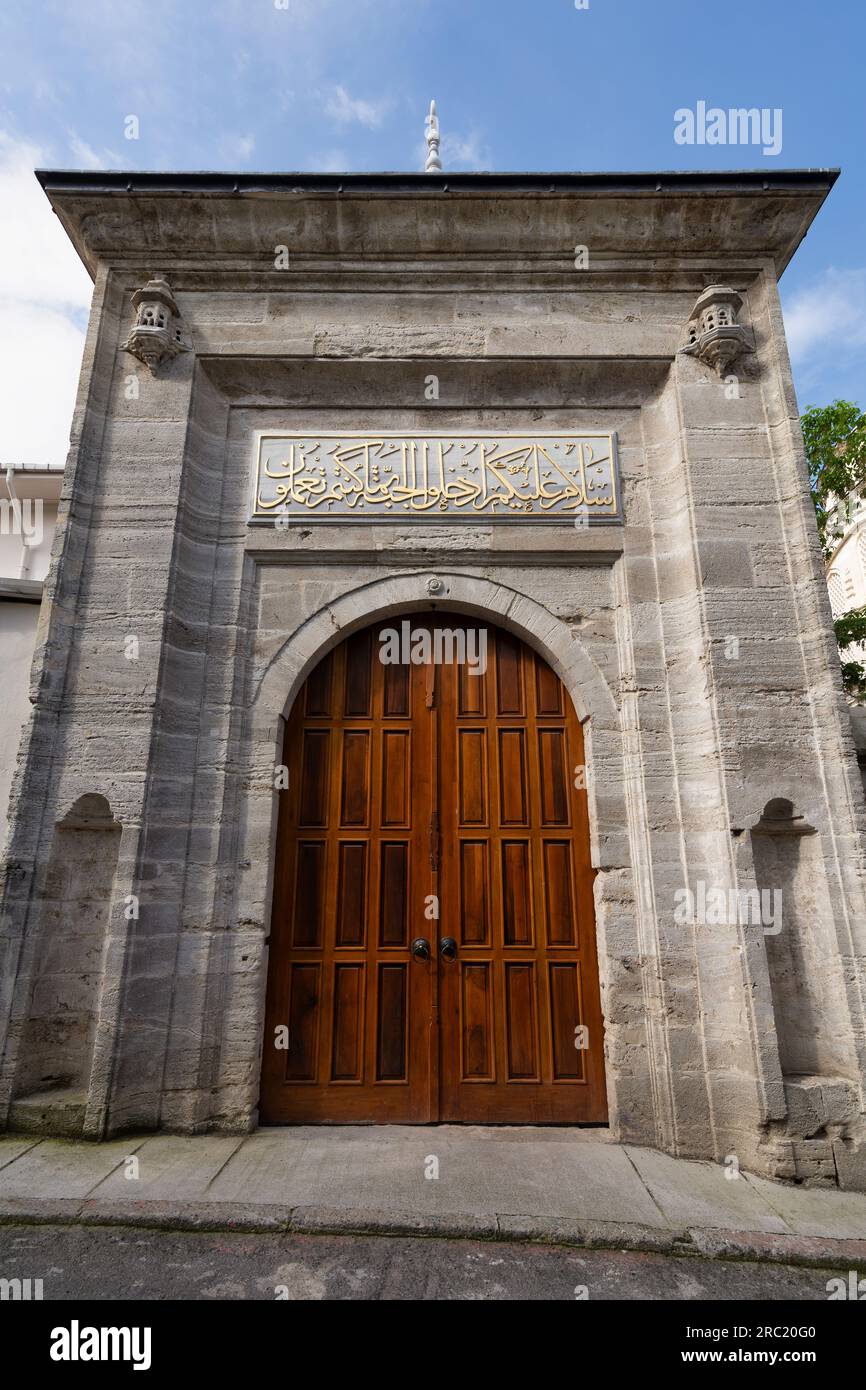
(695, 639)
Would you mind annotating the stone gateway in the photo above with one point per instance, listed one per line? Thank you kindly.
(256, 874)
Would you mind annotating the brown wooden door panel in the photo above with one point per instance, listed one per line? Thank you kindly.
(516, 893)
(408, 782)
(352, 865)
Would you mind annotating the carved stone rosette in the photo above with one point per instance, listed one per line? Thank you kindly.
(714, 334)
(156, 336)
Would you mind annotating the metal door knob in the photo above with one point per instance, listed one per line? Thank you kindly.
(420, 948)
(448, 948)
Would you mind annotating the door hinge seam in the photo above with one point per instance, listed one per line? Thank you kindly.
(433, 836)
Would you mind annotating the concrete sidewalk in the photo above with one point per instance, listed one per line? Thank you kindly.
(559, 1185)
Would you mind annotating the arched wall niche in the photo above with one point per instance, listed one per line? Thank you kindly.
(618, 918)
(806, 987)
(56, 1055)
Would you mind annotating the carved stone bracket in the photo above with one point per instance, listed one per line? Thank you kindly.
(156, 337)
(714, 334)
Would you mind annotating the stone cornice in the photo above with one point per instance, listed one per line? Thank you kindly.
(495, 220)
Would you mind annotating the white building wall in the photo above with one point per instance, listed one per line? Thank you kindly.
(846, 581)
(17, 640)
(26, 534)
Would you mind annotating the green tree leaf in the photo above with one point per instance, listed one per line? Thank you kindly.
(835, 440)
(851, 627)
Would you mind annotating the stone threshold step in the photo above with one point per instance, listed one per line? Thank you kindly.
(762, 1246)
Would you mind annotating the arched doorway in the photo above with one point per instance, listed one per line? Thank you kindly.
(432, 950)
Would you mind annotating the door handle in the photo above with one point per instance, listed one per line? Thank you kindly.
(420, 948)
(448, 948)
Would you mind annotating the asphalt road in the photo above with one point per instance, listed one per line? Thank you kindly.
(111, 1263)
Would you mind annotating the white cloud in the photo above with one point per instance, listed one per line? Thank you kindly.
(37, 260)
(830, 314)
(465, 152)
(43, 290)
(343, 108)
(86, 156)
(236, 149)
(330, 162)
(40, 358)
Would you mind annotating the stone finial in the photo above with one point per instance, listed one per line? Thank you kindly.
(714, 334)
(434, 163)
(156, 335)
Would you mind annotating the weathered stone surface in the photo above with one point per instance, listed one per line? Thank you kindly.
(695, 640)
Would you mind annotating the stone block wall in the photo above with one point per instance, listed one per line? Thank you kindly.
(695, 640)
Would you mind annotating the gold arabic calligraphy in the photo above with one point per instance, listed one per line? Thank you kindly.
(527, 474)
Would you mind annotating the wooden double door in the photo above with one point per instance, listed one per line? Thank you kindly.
(432, 950)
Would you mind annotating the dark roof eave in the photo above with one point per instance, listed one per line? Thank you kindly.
(669, 181)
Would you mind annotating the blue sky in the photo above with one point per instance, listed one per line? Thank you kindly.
(344, 84)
